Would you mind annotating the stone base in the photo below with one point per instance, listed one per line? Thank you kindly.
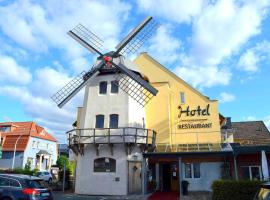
(197, 196)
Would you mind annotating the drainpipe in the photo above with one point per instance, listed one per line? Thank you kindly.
(235, 167)
(14, 152)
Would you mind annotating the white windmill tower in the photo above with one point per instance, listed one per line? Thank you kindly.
(111, 136)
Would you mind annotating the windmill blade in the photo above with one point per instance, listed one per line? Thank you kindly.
(75, 85)
(135, 86)
(86, 38)
(136, 38)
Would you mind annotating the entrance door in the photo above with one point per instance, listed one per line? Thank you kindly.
(134, 177)
(166, 172)
(169, 177)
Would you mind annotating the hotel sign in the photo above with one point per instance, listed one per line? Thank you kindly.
(191, 112)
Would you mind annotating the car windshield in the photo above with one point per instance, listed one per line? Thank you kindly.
(36, 184)
(263, 194)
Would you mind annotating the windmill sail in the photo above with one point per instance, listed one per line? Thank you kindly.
(134, 85)
(74, 86)
(136, 38)
(86, 38)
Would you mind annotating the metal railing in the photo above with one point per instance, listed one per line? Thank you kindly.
(119, 135)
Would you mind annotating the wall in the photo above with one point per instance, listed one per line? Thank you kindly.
(7, 158)
(162, 112)
(210, 171)
(101, 183)
(31, 150)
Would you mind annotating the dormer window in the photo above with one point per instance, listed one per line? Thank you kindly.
(5, 129)
(103, 87)
(114, 87)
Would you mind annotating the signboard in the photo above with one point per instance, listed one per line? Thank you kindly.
(194, 118)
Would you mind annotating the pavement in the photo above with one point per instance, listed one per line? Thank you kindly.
(72, 196)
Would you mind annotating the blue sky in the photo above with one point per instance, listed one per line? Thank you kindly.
(222, 48)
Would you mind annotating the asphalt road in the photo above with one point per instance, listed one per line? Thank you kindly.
(71, 196)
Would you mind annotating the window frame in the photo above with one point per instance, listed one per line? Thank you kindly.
(250, 172)
(110, 168)
(97, 121)
(110, 118)
(192, 171)
(100, 88)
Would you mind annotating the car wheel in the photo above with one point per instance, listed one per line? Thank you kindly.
(50, 180)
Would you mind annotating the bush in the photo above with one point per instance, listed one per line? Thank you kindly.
(235, 190)
(19, 171)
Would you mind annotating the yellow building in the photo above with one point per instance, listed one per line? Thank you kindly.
(179, 113)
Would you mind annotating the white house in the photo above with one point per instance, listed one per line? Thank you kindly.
(31, 144)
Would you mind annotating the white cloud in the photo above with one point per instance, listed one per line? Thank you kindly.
(250, 60)
(173, 10)
(204, 76)
(12, 72)
(267, 121)
(41, 26)
(219, 31)
(163, 46)
(226, 97)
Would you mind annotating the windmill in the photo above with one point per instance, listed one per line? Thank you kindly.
(131, 82)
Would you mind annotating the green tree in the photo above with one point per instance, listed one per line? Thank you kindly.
(61, 162)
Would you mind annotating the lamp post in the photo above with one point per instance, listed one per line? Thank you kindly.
(14, 152)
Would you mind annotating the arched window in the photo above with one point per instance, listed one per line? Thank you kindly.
(113, 121)
(99, 121)
(104, 165)
(103, 87)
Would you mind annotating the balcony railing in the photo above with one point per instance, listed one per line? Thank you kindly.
(121, 135)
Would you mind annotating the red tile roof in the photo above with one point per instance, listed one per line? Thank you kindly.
(23, 130)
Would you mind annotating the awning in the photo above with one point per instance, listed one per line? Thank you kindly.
(43, 152)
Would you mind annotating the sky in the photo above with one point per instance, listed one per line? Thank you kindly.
(220, 47)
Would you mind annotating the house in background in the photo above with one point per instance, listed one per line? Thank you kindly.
(31, 144)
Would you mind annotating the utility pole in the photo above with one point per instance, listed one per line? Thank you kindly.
(14, 152)
(64, 176)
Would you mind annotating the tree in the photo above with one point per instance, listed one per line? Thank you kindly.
(61, 162)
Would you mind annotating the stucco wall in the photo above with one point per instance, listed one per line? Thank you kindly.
(7, 158)
(103, 183)
(210, 171)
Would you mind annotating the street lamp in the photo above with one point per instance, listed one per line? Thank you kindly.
(14, 152)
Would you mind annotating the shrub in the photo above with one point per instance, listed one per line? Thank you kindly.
(235, 190)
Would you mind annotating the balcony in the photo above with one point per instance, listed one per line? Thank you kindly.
(129, 136)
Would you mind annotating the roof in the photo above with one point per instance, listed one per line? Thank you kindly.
(172, 74)
(252, 131)
(24, 130)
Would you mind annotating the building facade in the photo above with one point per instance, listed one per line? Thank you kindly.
(30, 143)
(180, 135)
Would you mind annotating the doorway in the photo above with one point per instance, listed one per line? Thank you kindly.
(134, 177)
(169, 176)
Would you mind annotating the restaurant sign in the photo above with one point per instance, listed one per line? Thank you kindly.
(193, 123)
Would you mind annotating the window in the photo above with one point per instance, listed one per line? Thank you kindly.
(33, 144)
(104, 165)
(103, 87)
(4, 182)
(114, 87)
(5, 129)
(113, 121)
(192, 170)
(251, 172)
(14, 183)
(99, 121)
(182, 97)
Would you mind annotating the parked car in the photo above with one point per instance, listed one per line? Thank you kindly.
(264, 192)
(46, 176)
(18, 186)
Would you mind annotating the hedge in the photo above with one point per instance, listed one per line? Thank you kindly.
(235, 190)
